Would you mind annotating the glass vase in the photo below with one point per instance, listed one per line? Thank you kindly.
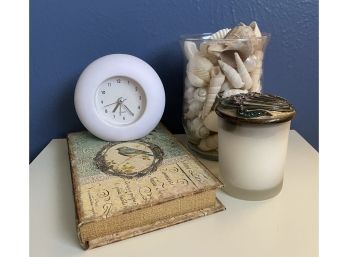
(216, 68)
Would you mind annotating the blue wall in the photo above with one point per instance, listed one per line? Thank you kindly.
(65, 36)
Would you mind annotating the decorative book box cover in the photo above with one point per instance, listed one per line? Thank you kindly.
(124, 189)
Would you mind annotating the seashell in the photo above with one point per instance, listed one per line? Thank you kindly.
(195, 81)
(259, 58)
(228, 58)
(256, 77)
(211, 121)
(256, 29)
(231, 92)
(247, 46)
(241, 32)
(231, 75)
(190, 49)
(200, 66)
(209, 143)
(203, 51)
(250, 63)
(257, 73)
(225, 86)
(216, 48)
(189, 94)
(200, 94)
(220, 34)
(198, 128)
(193, 109)
(203, 48)
(243, 72)
(217, 78)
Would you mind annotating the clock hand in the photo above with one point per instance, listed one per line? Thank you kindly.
(118, 100)
(125, 106)
(117, 105)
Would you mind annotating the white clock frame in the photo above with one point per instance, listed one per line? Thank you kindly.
(119, 65)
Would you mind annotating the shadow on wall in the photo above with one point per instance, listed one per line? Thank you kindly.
(169, 68)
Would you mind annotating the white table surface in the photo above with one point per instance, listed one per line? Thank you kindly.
(286, 225)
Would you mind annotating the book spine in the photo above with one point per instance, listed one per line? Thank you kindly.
(76, 193)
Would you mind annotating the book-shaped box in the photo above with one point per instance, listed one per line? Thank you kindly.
(124, 189)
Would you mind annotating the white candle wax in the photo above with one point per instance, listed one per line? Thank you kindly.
(252, 157)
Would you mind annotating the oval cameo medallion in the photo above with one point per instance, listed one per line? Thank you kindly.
(129, 159)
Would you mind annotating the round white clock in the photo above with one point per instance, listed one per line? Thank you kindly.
(119, 97)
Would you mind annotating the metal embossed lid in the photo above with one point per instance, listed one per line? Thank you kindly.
(255, 108)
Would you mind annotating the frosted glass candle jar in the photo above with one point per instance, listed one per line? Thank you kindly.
(253, 134)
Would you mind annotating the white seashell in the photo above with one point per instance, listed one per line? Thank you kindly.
(190, 49)
(198, 128)
(232, 75)
(250, 63)
(195, 81)
(211, 121)
(193, 109)
(200, 66)
(257, 73)
(243, 72)
(256, 29)
(256, 77)
(200, 94)
(225, 86)
(209, 143)
(217, 78)
(259, 58)
(203, 48)
(220, 34)
(231, 92)
(189, 94)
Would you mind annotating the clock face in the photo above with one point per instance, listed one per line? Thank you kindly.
(120, 100)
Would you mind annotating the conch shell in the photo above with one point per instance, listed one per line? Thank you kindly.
(231, 75)
(200, 94)
(200, 66)
(209, 143)
(190, 49)
(198, 128)
(211, 121)
(220, 34)
(217, 78)
(243, 72)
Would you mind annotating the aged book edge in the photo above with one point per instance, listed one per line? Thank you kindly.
(76, 190)
(152, 227)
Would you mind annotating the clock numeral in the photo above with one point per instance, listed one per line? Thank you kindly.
(138, 107)
(136, 88)
(106, 110)
(118, 80)
(102, 101)
(128, 81)
(114, 116)
(103, 92)
(109, 84)
(124, 118)
(140, 97)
